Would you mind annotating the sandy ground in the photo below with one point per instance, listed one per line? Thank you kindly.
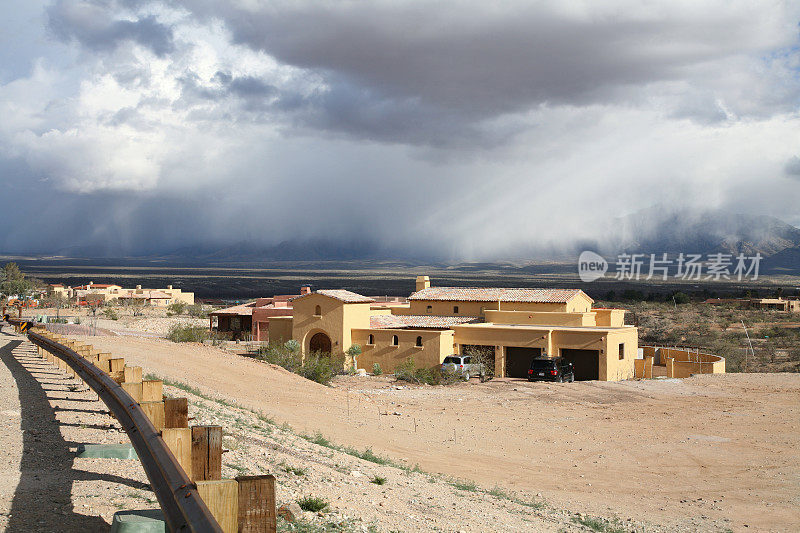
(705, 453)
(44, 487)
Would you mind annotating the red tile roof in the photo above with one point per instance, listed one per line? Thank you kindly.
(419, 321)
(481, 294)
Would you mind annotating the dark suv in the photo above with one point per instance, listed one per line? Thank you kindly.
(551, 369)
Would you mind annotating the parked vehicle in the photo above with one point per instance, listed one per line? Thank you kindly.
(462, 364)
(551, 369)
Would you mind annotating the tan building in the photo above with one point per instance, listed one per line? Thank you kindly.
(100, 293)
(790, 305)
(515, 325)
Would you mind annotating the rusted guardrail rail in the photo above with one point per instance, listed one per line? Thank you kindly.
(183, 508)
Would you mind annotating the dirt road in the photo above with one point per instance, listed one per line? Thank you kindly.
(705, 453)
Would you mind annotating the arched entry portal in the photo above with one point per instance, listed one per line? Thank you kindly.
(320, 343)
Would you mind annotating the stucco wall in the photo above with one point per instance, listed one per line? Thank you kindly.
(436, 345)
(336, 320)
(280, 329)
(540, 318)
(610, 317)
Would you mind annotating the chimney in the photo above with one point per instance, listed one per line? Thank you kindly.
(305, 290)
(423, 282)
(138, 287)
(169, 287)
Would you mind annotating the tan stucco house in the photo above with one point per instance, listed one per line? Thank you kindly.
(514, 324)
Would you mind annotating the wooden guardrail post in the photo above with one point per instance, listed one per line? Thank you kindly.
(152, 390)
(176, 412)
(155, 412)
(132, 374)
(179, 442)
(206, 453)
(257, 504)
(221, 496)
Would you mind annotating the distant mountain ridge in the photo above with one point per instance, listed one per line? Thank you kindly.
(706, 232)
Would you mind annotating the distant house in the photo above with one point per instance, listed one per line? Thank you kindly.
(788, 305)
(99, 293)
(253, 318)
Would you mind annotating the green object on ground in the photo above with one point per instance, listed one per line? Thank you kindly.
(107, 451)
(140, 521)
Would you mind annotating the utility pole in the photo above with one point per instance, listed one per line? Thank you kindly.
(751, 346)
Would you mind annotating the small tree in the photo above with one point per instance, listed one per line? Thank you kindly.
(13, 282)
(484, 356)
(353, 352)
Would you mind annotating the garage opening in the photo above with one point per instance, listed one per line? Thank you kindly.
(479, 352)
(518, 360)
(585, 363)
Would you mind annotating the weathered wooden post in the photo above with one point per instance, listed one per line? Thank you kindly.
(206, 453)
(257, 504)
(176, 412)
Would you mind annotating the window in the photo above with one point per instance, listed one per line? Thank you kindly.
(395, 340)
(371, 339)
(621, 351)
(318, 311)
(419, 341)
(467, 360)
(429, 309)
(455, 309)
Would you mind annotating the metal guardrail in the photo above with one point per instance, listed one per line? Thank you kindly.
(182, 506)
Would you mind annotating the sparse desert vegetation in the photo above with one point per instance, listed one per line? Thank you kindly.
(718, 329)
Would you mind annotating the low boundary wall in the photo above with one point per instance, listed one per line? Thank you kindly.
(680, 362)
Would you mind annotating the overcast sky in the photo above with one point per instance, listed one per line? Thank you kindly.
(471, 129)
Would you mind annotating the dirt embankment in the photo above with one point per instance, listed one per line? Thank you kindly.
(707, 453)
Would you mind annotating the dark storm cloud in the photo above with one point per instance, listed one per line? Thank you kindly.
(345, 107)
(93, 25)
(483, 61)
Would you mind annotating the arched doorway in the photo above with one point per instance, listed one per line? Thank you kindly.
(320, 343)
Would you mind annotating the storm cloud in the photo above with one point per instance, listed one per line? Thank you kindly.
(419, 127)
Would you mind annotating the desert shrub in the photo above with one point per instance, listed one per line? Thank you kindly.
(409, 372)
(177, 308)
(316, 367)
(196, 311)
(283, 355)
(378, 480)
(110, 313)
(376, 369)
(319, 368)
(292, 345)
(681, 298)
(314, 504)
(182, 333)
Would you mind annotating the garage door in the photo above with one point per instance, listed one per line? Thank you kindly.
(518, 360)
(586, 363)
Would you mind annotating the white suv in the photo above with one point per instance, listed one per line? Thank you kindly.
(462, 364)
